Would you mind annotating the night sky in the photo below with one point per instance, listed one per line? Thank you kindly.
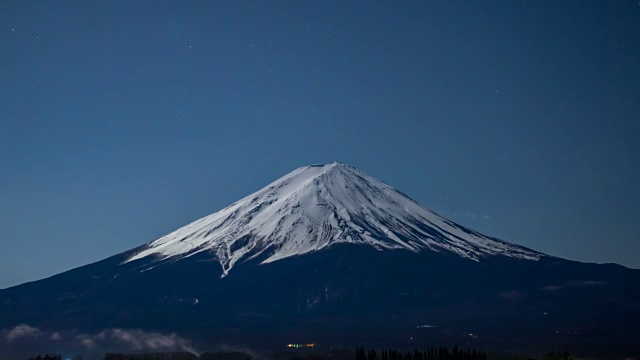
(121, 121)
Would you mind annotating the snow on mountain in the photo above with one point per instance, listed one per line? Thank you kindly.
(315, 207)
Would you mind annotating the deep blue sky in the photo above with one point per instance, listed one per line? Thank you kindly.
(123, 120)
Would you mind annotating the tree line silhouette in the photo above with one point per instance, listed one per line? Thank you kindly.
(46, 357)
(558, 356)
(432, 353)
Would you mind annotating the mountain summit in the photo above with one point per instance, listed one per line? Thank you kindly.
(317, 206)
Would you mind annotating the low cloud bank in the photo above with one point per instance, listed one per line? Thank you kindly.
(22, 330)
(25, 340)
(139, 340)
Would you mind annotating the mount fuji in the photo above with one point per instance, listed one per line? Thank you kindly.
(315, 207)
(331, 255)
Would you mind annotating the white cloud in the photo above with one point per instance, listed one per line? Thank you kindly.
(86, 341)
(125, 339)
(140, 340)
(22, 330)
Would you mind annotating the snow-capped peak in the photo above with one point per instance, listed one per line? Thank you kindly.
(316, 206)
